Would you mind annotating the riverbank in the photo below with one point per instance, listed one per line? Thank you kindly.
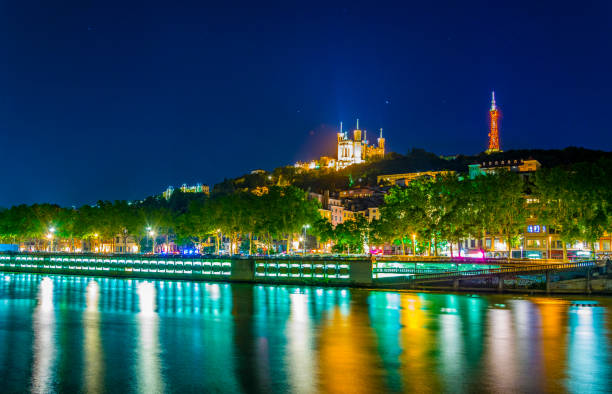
(459, 275)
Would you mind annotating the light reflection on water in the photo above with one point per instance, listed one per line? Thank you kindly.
(45, 348)
(149, 364)
(94, 365)
(99, 334)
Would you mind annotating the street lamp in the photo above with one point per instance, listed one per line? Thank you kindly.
(50, 238)
(549, 246)
(413, 245)
(152, 235)
(96, 237)
(304, 227)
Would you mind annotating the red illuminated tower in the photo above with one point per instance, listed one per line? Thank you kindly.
(494, 127)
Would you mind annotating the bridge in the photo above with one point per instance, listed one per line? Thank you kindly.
(413, 276)
(394, 272)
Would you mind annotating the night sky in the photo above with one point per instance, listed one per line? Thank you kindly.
(99, 100)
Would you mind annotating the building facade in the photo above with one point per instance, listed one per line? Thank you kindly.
(350, 150)
(197, 188)
(405, 178)
(521, 166)
(356, 150)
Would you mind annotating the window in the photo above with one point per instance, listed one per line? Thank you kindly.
(534, 243)
(488, 243)
(605, 245)
(555, 244)
(472, 243)
(536, 228)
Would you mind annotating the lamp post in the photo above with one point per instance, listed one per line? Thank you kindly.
(50, 237)
(152, 235)
(96, 241)
(549, 246)
(413, 245)
(304, 227)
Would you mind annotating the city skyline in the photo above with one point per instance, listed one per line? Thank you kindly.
(106, 103)
(304, 197)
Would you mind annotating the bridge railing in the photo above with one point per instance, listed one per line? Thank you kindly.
(451, 275)
(467, 260)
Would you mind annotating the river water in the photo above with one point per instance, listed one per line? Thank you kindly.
(83, 334)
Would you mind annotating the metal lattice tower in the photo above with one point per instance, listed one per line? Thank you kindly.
(494, 126)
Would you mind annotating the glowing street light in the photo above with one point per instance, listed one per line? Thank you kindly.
(50, 238)
(304, 227)
(413, 244)
(152, 235)
(96, 248)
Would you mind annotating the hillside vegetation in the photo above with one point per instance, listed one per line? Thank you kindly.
(393, 163)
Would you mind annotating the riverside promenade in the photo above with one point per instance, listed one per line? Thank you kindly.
(388, 272)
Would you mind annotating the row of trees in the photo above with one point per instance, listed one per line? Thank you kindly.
(439, 211)
(450, 209)
(277, 214)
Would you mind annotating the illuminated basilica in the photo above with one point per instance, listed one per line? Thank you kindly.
(350, 151)
(357, 150)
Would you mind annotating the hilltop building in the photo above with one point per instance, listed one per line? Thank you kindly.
(351, 151)
(406, 178)
(490, 167)
(198, 188)
(357, 150)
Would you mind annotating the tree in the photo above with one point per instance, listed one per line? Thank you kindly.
(457, 207)
(575, 201)
(351, 235)
(399, 216)
(507, 206)
(556, 207)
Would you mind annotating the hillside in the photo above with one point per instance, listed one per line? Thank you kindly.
(415, 161)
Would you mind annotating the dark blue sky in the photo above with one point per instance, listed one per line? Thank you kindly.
(103, 100)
